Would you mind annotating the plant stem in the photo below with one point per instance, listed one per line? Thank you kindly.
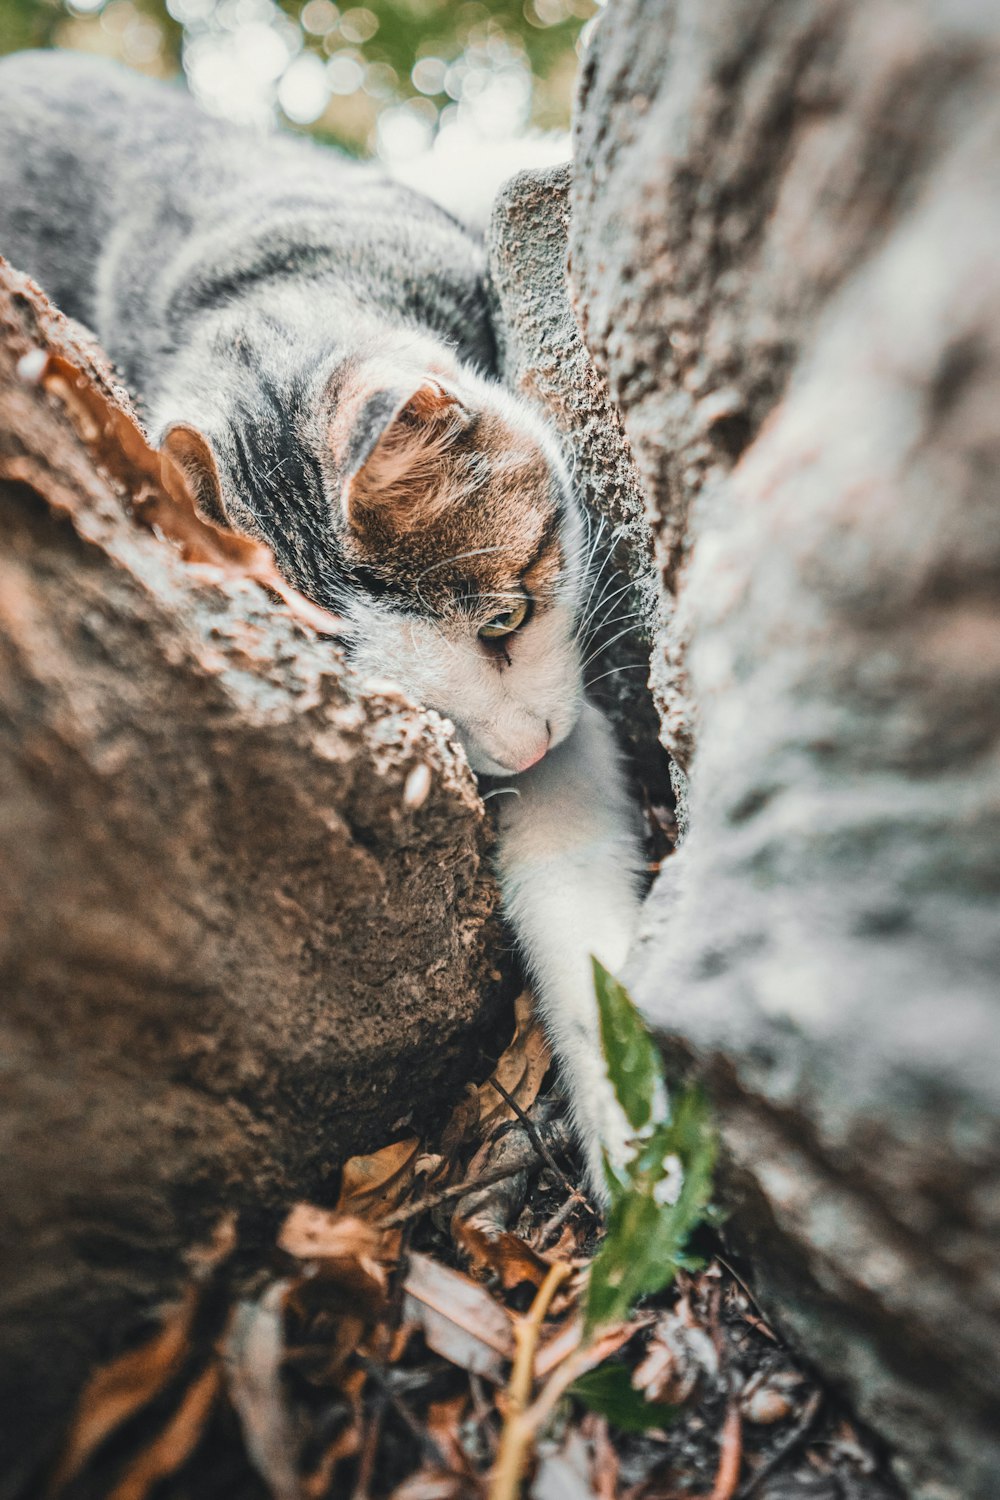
(516, 1436)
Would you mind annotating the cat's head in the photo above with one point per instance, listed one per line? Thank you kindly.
(453, 547)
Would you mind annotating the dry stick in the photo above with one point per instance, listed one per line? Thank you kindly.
(516, 1436)
(444, 1195)
(748, 1294)
(792, 1442)
(431, 1449)
(535, 1417)
(541, 1147)
(548, 1230)
(366, 1464)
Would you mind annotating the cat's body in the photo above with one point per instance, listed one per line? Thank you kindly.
(312, 343)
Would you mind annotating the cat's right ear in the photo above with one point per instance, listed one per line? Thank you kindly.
(387, 445)
(188, 450)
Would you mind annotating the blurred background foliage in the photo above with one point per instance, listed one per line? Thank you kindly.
(390, 77)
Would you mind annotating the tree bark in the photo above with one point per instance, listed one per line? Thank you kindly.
(784, 259)
(247, 924)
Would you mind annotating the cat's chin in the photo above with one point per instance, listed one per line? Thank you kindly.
(484, 766)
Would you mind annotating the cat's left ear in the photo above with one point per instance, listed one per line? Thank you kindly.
(388, 449)
(188, 450)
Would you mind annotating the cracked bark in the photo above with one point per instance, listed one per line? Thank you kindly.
(242, 932)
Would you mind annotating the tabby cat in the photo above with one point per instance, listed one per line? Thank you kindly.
(312, 342)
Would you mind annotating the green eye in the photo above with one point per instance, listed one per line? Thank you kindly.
(507, 621)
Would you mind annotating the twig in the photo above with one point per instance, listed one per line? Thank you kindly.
(791, 1442)
(540, 1146)
(583, 1358)
(431, 1449)
(557, 1220)
(516, 1436)
(444, 1195)
(748, 1294)
(366, 1463)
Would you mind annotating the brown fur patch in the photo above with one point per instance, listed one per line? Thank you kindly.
(458, 513)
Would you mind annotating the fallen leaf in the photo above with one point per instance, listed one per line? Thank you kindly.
(346, 1250)
(252, 1356)
(520, 1070)
(458, 1318)
(372, 1185)
(118, 1390)
(727, 1475)
(512, 1259)
(679, 1355)
(175, 1443)
(557, 1348)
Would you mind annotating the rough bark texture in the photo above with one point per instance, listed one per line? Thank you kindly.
(785, 262)
(544, 357)
(245, 912)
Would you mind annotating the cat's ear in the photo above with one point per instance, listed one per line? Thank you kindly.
(188, 449)
(389, 448)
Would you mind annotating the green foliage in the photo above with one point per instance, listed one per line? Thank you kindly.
(430, 55)
(663, 1193)
(609, 1391)
(633, 1061)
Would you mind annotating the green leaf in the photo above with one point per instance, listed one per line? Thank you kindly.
(663, 1193)
(633, 1061)
(628, 1264)
(609, 1391)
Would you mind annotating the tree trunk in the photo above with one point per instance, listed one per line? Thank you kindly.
(246, 918)
(785, 263)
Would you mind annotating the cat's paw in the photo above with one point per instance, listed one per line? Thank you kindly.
(604, 1134)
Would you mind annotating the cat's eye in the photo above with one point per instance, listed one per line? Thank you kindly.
(506, 621)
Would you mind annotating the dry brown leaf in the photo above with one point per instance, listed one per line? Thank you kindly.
(161, 494)
(458, 1318)
(559, 1346)
(346, 1250)
(175, 1443)
(512, 1259)
(520, 1069)
(118, 1390)
(121, 1388)
(463, 1125)
(679, 1355)
(373, 1185)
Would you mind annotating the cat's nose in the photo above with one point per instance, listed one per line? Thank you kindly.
(532, 756)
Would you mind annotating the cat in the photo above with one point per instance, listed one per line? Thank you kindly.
(312, 343)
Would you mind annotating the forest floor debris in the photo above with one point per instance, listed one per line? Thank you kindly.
(430, 1336)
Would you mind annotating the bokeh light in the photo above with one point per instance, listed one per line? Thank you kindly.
(403, 78)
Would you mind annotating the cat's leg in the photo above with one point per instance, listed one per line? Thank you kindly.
(569, 860)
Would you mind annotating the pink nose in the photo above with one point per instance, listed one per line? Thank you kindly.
(531, 760)
(532, 757)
